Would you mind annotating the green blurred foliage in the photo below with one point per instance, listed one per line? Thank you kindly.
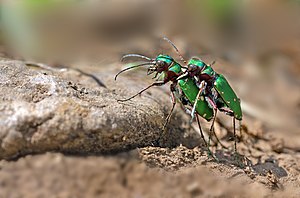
(18, 20)
(218, 11)
(40, 6)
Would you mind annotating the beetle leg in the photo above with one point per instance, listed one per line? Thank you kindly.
(209, 152)
(212, 130)
(211, 102)
(214, 106)
(173, 99)
(202, 136)
(194, 106)
(227, 111)
(155, 75)
(240, 122)
(234, 134)
(158, 83)
(202, 88)
(201, 132)
(183, 76)
(231, 113)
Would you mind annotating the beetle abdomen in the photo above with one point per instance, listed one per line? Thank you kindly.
(191, 90)
(228, 95)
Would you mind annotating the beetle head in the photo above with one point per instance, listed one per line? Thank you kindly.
(163, 62)
(195, 66)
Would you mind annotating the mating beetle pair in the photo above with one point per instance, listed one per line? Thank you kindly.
(200, 88)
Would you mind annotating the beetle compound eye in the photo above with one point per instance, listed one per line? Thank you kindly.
(161, 64)
(192, 68)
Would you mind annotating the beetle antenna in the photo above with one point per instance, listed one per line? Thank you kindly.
(176, 49)
(212, 63)
(135, 55)
(128, 68)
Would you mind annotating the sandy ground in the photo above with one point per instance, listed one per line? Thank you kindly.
(269, 170)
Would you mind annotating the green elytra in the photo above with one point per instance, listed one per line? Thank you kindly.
(228, 95)
(222, 86)
(189, 88)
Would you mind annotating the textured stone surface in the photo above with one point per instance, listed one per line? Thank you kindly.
(42, 110)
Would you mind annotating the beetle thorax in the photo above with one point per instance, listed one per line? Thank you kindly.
(194, 70)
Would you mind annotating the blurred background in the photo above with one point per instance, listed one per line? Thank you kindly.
(256, 44)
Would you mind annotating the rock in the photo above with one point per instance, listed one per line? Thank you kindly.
(44, 110)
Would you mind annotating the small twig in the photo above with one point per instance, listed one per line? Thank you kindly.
(47, 67)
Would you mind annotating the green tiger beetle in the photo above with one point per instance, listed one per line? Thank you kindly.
(217, 92)
(189, 93)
